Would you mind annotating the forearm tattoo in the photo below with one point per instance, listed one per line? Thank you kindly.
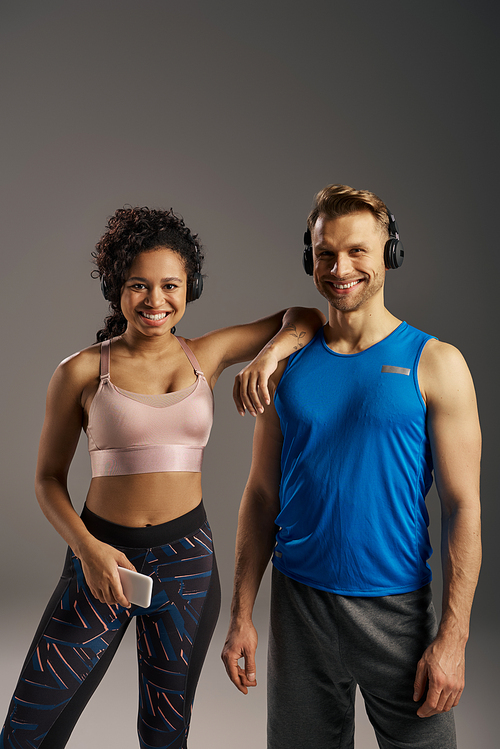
(295, 334)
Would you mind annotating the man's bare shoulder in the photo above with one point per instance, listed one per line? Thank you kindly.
(438, 356)
(442, 370)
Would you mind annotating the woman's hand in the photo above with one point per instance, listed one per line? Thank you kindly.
(100, 564)
(251, 389)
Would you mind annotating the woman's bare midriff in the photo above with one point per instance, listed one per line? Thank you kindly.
(145, 498)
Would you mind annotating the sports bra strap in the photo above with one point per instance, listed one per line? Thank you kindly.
(192, 358)
(105, 360)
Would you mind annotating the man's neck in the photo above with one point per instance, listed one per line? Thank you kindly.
(352, 332)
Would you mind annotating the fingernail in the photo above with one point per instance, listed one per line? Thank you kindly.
(251, 677)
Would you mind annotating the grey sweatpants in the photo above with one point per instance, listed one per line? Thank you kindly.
(322, 644)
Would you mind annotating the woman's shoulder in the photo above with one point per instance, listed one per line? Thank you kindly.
(81, 366)
(207, 355)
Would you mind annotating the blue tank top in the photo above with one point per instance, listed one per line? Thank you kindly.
(356, 467)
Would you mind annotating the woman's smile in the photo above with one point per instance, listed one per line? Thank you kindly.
(154, 319)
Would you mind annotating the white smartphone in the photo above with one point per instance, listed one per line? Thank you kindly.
(137, 588)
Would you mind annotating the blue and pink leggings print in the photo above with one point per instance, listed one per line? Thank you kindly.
(78, 636)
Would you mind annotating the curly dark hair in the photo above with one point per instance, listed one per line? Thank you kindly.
(131, 231)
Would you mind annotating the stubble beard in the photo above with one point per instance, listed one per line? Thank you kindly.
(351, 303)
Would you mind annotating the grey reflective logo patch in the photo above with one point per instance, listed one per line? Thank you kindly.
(278, 554)
(395, 370)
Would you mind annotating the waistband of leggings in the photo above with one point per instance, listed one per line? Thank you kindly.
(144, 536)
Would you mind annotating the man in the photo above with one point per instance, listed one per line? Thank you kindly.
(342, 463)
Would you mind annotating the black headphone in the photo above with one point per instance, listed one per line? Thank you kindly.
(105, 289)
(194, 286)
(394, 253)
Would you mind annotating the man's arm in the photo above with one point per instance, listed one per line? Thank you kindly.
(455, 436)
(255, 541)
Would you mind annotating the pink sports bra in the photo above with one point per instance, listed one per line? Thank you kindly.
(133, 433)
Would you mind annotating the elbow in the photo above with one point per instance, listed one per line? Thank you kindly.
(45, 483)
(264, 503)
(468, 512)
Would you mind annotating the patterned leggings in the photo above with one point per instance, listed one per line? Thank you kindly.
(78, 636)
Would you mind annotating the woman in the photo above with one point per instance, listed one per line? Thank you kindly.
(144, 398)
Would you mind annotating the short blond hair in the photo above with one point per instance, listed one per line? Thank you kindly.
(341, 200)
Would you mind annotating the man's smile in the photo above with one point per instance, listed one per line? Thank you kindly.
(348, 285)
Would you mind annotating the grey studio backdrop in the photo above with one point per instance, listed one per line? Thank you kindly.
(236, 114)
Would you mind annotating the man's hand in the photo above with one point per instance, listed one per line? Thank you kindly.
(251, 391)
(241, 642)
(442, 667)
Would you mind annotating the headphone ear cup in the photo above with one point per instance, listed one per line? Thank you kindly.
(307, 260)
(195, 287)
(104, 289)
(307, 255)
(394, 253)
